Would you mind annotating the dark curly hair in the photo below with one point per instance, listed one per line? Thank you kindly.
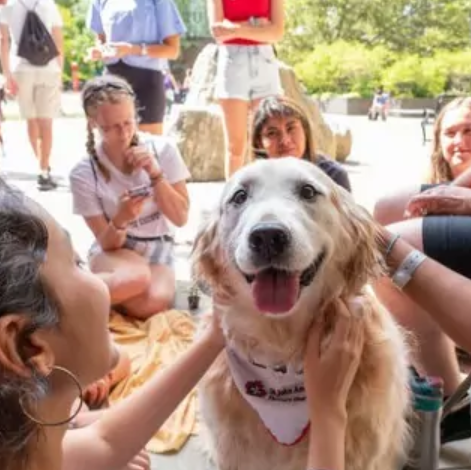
(23, 246)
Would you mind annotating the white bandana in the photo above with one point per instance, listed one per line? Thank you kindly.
(276, 393)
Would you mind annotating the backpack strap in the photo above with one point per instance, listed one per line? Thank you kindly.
(95, 177)
(29, 9)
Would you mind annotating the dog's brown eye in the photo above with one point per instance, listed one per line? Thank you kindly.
(308, 192)
(239, 197)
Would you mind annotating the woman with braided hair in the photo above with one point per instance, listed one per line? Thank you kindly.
(131, 191)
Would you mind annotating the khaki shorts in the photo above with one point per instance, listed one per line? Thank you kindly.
(39, 93)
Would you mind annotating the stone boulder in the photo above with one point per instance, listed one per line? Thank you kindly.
(343, 141)
(197, 126)
(199, 134)
(203, 76)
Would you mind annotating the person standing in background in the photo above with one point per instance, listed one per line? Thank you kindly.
(136, 40)
(38, 87)
(247, 68)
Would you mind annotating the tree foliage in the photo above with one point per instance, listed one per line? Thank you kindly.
(418, 26)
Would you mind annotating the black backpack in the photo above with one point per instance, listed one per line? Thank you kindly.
(36, 44)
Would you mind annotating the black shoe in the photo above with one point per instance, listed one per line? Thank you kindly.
(46, 183)
(457, 425)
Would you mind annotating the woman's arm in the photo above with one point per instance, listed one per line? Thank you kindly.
(329, 372)
(173, 200)
(108, 235)
(266, 31)
(269, 31)
(443, 293)
(122, 431)
(215, 12)
(169, 49)
(327, 442)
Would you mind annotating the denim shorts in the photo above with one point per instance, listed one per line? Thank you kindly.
(158, 250)
(247, 72)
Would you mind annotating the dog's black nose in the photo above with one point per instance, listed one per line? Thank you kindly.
(269, 240)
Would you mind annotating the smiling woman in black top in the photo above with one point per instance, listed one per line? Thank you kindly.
(282, 128)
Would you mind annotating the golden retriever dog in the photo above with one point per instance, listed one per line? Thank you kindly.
(285, 242)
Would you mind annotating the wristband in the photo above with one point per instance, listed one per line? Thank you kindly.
(407, 268)
(116, 228)
(156, 179)
(390, 246)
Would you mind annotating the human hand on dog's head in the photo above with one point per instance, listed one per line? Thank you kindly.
(330, 365)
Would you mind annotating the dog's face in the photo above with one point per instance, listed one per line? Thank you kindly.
(283, 231)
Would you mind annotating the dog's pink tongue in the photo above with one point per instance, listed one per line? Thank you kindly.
(275, 291)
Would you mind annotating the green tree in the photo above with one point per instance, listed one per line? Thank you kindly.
(77, 39)
(419, 26)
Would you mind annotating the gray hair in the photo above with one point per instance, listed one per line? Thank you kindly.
(23, 246)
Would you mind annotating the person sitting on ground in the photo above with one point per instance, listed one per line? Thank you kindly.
(133, 249)
(380, 105)
(450, 158)
(438, 223)
(281, 128)
(54, 341)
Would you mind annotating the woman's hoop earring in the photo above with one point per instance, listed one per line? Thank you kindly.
(70, 418)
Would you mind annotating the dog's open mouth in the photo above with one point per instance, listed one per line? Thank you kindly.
(276, 291)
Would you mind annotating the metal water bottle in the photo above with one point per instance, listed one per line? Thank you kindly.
(427, 401)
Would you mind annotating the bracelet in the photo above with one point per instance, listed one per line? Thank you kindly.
(407, 268)
(390, 246)
(115, 227)
(156, 179)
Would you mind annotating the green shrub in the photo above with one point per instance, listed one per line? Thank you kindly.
(77, 40)
(416, 77)
(350, 69)
(343, 68)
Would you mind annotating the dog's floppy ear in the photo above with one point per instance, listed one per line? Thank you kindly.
(207, 253)
(363, 262)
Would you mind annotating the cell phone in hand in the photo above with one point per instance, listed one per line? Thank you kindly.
(139, 191)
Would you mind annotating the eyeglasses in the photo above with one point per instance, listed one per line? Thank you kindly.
(105, 87)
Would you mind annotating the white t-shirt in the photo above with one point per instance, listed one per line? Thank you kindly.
(94, 196)
(13, 15)
(277, 394)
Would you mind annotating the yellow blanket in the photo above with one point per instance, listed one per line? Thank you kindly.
(153, 345)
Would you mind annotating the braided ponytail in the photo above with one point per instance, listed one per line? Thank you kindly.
(91, 149)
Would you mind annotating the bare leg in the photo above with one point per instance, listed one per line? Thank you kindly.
(34, 137)
(156, 128)
(45, 140)
(434, 353)
(390, 208)
(235, 132)
(126, 274)
(158, 297)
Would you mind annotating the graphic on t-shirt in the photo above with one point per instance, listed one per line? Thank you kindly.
(276, 393)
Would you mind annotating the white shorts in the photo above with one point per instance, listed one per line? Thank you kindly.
(158, 250)
(39, 93)
(247, 72)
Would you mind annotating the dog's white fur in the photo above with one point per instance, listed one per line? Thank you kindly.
(377, 432)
